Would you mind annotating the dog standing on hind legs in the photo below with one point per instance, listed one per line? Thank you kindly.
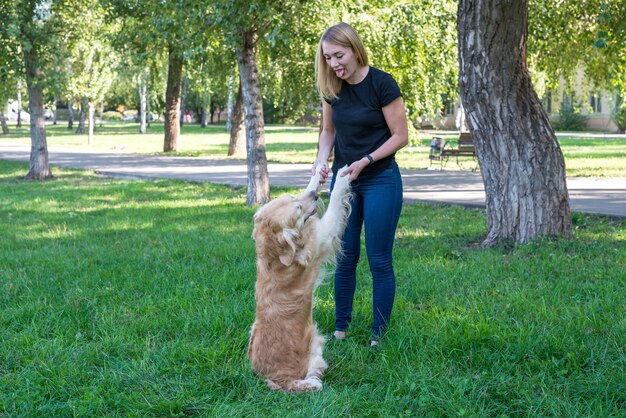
(292, 245)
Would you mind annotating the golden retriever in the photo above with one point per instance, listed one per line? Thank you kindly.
(292, 244)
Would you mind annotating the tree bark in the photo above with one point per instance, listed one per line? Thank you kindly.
(229, 114)
(3, 122)
(172, 101)
(237, 145)
(258, 177)
(39, 168)
(520, 159)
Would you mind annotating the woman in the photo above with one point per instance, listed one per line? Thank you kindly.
(364, 121)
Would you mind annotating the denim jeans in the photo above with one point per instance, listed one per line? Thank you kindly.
(377, 203)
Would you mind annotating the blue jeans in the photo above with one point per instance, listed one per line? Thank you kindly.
(377, 203)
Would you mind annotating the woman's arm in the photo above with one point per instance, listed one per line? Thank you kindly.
(326, 140)
(395, 116)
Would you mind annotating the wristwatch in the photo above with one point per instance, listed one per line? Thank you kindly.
(369, 157)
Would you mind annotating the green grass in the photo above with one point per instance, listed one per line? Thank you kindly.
(584, 157)
(134, 298)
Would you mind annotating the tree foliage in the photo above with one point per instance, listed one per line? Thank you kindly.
(570, 35)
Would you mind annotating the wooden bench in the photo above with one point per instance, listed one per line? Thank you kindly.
(464, 149)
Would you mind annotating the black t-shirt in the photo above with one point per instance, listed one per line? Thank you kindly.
(360, 126)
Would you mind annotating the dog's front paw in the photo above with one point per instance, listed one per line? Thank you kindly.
(315, 184)
(342, 183)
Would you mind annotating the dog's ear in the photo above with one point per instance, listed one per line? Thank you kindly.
(288, 246)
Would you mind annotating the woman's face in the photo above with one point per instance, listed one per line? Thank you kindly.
(341, 60)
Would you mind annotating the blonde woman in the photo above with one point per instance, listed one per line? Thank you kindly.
(364, 122)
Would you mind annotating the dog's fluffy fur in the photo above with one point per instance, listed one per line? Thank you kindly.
(292, 244)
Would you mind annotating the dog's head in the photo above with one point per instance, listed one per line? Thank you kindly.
(280, 227)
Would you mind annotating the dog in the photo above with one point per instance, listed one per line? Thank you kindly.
(292, 245)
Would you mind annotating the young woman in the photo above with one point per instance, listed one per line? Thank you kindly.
(364, 121)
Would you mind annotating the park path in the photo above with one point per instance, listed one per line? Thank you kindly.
(604, 196)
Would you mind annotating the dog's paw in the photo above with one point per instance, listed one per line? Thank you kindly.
(315, 183)
(343, 182)
(308, 384)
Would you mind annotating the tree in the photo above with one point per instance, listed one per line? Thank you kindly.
(245, 26)
(93, 61)
(236, 146)
(30, 24)
(520, 159)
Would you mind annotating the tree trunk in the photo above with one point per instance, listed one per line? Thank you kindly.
(237, 145)
(70, 99)
(204, 118)
(70, 111)
(231, 99)
(54, 112)
(520, 159)
(172, 102)
(81, 116)
(19, 103)
(39, 168)
(183, 104)
(149, 114)
(3, 122)
(143, 98)
(258, 177)
(101, 112)
(91, 106)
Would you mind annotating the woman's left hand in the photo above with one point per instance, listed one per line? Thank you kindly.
(355, 169)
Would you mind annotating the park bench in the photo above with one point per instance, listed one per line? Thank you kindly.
(441, 151)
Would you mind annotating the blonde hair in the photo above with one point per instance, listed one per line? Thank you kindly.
(344, 35)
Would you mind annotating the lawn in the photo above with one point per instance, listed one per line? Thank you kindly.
(134, 298)
(586, 157)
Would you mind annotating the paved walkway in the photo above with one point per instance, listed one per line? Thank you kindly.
(588, 195)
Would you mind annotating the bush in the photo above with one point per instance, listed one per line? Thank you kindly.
(619, 116)
(570, 119)
(112, 115)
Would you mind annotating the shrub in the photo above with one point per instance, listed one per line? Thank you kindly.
(112, 115)
(570, 119)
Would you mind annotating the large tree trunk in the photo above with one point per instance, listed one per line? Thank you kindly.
(237, 145)
(39, 168)
(258, 177)
(91, 106)
(520, 159)
(172, 101)
(3, 122)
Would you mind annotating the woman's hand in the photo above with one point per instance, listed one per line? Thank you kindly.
(355, 168)
(324, 170)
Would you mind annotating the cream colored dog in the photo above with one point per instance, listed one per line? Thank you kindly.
(292, 244)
